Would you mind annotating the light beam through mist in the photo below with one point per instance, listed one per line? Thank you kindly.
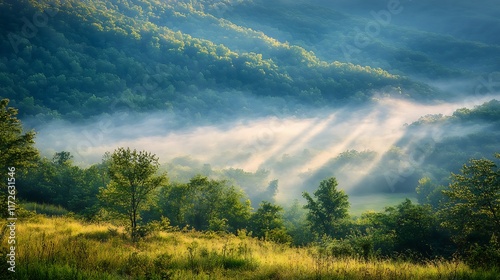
(255, 143)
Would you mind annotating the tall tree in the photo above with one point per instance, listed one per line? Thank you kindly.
(328, 210)
(473, 208)
(268, 223)
(17, 149)
(133, 178)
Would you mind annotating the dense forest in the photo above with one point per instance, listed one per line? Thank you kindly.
(98, 57)
(195, 139)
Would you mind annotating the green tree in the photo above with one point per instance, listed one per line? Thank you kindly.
(206, 204)
(133, 178)
(267, 222)
(83, 199)
(414, 227)
(204, 200)
(328, 210)
(173, 202)
(67, 181)
(59, 182)
(472, 211)
(429, 193)
(37, 183)
(63, 158)
(17, 149)
(405, 228)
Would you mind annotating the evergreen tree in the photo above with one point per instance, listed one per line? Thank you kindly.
(17, 150)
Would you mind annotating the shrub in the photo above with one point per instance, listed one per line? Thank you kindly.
(341, 248)
(278, 235)
(137, 265)
(484, 255)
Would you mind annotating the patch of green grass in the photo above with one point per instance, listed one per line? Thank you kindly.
(40, 270)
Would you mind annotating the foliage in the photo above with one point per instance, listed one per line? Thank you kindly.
(205, 204)
(98, 57)
(267, 223)
(17, 150)
(328, 208)
(295, 221)
(429, 193)
(126, 181)
(473, 209)
(45, 209)
(485, 255)
(133, 180)
(60, 182)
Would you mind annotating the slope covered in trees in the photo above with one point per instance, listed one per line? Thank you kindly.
(79, 59)
(380, 35)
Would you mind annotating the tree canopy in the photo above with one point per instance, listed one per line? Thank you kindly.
(473, 208)
(327, 209)
(17, 149)
(133, 178)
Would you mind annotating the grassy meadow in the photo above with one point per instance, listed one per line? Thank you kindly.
(66, 248)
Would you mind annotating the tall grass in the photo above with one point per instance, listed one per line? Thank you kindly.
(45, 209)
(64, 248)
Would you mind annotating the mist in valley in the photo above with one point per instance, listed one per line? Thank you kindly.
(371, 149)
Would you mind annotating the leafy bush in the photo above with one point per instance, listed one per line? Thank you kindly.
(137, 265)
(278, 235)
(341, 248)
(484, 255)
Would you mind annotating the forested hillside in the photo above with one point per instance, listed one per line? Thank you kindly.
(188, 57)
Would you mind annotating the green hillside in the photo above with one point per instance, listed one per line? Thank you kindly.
(77, 59)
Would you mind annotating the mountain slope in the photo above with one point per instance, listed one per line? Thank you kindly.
(374, 36)
(94, 57)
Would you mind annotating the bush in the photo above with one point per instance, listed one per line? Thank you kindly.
(137, 265)
(485, 256)
(364, 246)
(278, 235)
(341, 248)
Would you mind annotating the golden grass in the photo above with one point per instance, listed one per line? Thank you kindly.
(59, 247)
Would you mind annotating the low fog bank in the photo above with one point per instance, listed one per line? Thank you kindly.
(369, 149)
